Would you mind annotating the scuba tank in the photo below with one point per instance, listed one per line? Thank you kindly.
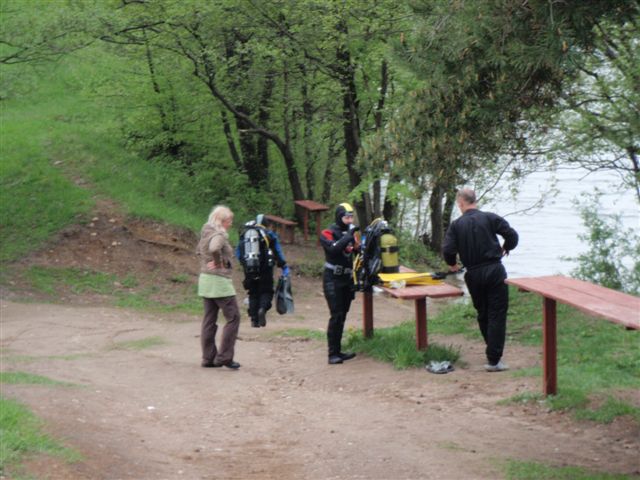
(251, 239)
(389, 253)
(378, 254)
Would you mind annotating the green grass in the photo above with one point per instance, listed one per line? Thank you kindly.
(31, 358)
(22, 435)
(54, 281)
(516, 470)
(609, 410)
(302, 333)
(50, 280)
(397, 345)
(595, 356)
(187, 302)
(29, 379)
(141, 344)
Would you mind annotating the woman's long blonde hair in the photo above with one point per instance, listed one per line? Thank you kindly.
(219, 214)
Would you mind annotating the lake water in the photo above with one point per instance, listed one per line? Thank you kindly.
(551, 232)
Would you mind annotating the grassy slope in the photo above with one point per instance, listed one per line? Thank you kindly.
(36, 200)
(62, 127)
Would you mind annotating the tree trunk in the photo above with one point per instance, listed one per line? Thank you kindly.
(450, 201)
(310, 155)
(233, 151)
(384, 82)
(389, 208)
(351, 128)
(264, 114)
(435, 206)
(332, 153)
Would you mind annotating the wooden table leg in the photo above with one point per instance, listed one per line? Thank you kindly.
(318, 227)
(367, 314)
(421, 324)
(306, 225)
(549, 337)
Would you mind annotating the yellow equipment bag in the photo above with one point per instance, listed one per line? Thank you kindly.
(409, 278)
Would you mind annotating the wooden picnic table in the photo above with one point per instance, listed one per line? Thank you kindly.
(591, 299)
(285, 228)
(311, 206)
(418, 293)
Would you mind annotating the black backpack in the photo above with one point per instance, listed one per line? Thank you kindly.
(378, 253)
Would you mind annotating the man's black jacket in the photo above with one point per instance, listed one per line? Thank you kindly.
(473, 237)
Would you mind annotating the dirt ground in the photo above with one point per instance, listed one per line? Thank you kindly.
(154, 413)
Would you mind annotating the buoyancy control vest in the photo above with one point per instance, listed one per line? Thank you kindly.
(378, 254)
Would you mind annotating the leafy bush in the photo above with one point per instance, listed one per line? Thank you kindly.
(415, 254)
(613, 257)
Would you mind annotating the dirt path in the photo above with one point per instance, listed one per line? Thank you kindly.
(154, 413)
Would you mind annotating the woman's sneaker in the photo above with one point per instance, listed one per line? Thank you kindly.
(498, 367)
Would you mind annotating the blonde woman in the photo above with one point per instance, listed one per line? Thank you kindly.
(216, 289)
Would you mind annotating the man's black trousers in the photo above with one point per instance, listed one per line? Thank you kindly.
(338, 291)
(490, 297)
(260, 293)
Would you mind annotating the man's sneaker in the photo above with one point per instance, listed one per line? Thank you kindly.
(335, 359)
(347, 355)
(262, 317)
(498, 367)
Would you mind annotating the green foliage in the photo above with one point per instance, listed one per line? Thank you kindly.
(486, 71)
(312, 268)
(415, 254)
(397, 345)
(517, 470)
(22, 435)
(613, 256)
(597, 122)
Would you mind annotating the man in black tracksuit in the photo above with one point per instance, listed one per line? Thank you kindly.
(473, 237)
(339, 246)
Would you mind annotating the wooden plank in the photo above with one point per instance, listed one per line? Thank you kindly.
(280, 220)
(591, 299)
(598, 291)
(422, 291)
(311, 205)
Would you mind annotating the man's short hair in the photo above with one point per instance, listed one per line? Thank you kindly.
(467, 194)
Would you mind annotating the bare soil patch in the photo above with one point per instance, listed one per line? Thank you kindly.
(154, 413)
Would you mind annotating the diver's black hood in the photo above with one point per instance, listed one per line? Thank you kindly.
(341, 210)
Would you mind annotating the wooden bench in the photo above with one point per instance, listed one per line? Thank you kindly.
(284, 228)
(311, 206)
(418, 293)
(591, 299)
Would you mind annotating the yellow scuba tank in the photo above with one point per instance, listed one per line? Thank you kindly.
(389, 253)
